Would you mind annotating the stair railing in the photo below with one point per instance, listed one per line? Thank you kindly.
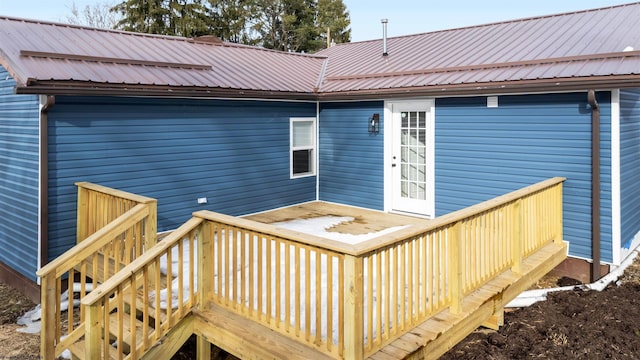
(102, 250)
(161, 285)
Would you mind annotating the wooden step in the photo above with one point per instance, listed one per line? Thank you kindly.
(77, 351)
(245, 338)
(125, 342)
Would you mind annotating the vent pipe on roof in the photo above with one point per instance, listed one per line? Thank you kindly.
(384, 37)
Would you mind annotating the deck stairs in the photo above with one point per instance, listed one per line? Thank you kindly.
(134, 328)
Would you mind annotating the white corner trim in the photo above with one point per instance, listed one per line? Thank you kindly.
(387, 129)
(42, 100)
(616, 241)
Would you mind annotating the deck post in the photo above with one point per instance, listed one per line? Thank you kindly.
(151, 225)
(455, 268)
(205, 281)
(48, 303)
(557, 219)
(92, 331)
(353, 308)
(82, 212)
(516, 237)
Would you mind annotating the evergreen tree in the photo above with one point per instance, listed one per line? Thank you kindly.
(287, 25)
(147, 16)
(229, 20)
(333, 16)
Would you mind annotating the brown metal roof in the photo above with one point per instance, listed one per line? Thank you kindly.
(52, 57)
(579, 50)
(572, 48)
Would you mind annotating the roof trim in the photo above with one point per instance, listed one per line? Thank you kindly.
(80, 88)
(490, 88)
(120, 61)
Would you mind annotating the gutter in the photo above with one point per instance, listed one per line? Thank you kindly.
(46, 103)
(595, 185)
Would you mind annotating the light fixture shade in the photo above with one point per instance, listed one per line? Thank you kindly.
(374, 123)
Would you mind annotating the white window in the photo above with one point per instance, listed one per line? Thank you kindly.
(303, 147)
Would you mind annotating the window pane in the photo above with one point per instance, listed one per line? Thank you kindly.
(302, 133)
(302, 161)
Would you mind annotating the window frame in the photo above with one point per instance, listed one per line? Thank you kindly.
(312, 147)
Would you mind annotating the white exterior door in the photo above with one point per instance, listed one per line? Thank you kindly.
(412, 156)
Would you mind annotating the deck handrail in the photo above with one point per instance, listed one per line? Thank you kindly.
(453, 217)
(139, 286)
(98, 205)
(138, 264)
(121, 227)
(94, 242)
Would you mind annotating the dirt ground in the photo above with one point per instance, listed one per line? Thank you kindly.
(569, 325)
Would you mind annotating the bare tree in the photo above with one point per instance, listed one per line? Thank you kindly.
(96, 15)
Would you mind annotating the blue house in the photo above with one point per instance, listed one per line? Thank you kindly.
(422, 124)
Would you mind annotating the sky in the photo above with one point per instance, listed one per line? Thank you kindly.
(405, 16)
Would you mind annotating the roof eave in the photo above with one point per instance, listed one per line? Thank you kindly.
(52, 87)
(489, 88)
(101, 89)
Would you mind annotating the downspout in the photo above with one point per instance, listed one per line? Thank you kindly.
(46, 102)
(317, 155)
(595, 186)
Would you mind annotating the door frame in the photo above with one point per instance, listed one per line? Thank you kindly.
(388, 154)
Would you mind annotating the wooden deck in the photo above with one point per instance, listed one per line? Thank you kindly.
(262, 291)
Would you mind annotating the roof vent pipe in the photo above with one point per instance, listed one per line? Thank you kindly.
(384, 37)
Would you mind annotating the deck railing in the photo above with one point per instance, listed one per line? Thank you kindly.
(351, 300)
(161, 285)
(345, 300)
(106, 247)
(416, 272)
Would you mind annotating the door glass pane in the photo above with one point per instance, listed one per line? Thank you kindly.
(413, 155)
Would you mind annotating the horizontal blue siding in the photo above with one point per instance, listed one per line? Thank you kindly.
(351, 159)
(629, 165)
(235, 153)
(485, 152)
(19, 169)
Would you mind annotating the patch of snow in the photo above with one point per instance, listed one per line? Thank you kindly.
(174, 268)
(31, 319)
(320, 225)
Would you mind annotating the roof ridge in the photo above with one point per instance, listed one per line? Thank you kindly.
(511, 21)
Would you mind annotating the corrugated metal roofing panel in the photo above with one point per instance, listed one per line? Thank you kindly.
(155, 60)
(599, 31)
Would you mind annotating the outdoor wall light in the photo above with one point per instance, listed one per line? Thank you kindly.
(374, 123)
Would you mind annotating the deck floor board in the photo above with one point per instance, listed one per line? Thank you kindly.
(364, 221)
